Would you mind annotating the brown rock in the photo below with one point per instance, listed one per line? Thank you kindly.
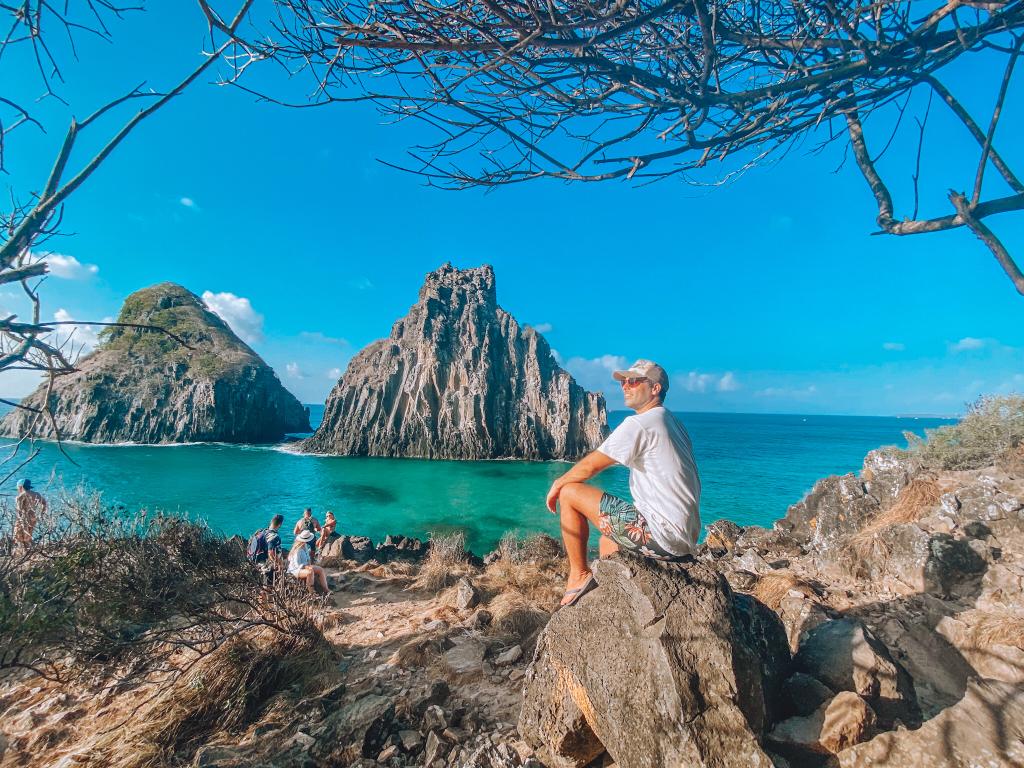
(985, 729)
(840, 722)
(666, 635)
(845, 656)
(459, 378)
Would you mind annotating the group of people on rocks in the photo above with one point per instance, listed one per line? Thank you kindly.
(267, 551)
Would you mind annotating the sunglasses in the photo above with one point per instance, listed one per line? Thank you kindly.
(632, 381)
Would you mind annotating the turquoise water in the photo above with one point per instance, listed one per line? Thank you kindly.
(752, 468)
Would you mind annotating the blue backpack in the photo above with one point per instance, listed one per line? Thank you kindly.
(256, 552)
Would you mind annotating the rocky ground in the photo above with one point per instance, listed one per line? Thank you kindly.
(880, 623)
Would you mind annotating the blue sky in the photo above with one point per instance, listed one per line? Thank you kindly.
(767, 294)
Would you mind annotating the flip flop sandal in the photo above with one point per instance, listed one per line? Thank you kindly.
(579, 592)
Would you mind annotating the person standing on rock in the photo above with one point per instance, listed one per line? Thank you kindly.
(28, 505)
(663, 521)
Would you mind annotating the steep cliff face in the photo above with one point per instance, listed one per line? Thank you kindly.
(144, 387)
(459, 378)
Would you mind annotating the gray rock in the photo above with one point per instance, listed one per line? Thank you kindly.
(800, 614)
(844, 655)
(764, 662)
(467, 657)
(434, 719)
(985, 728)
(144, 387)
(508, 656)
(459, 378)
(667, 633)
(397, 547)
(466, 595)
(722, 535)
(840, 722)
(836, 507)
(358, 730)
(886, 472)
(437, 748)
(411, 741)
(480, 619)
(803, 694)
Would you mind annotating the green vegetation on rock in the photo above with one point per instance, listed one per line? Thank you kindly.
(992, 430)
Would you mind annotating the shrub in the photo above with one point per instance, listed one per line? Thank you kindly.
(992, 428)
(107, 593)
(441, 567)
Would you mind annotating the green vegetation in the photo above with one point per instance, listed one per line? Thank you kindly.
(992, 432)
(177, 311)
(104, 593)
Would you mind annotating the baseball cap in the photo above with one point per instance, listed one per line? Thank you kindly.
(647, 369)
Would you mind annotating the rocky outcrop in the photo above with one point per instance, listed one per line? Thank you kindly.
(658, 667)
(143, 386)
(459, 378)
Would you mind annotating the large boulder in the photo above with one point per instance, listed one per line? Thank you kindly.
(143, 386)
(658, 667)
(886, 472)
(459, 378)
(844, 655)
(985, 729)
(836, 507)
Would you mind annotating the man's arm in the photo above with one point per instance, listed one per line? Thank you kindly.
(581, 471)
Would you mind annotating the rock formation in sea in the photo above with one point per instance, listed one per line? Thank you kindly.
(142, 386)
(459, 378)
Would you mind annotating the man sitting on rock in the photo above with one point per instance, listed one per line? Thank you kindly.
(663, 521)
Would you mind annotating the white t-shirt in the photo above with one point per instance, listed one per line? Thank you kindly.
(663, 476)
(298, 559)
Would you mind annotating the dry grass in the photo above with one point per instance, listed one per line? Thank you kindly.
(517, 616)
(445, 562)
(772, 587)
(998, 629)
(912, 504)
(1012, 461)
(224, 693)
(533, 568)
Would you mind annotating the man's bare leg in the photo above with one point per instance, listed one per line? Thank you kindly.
(606, 547)
(579, 504)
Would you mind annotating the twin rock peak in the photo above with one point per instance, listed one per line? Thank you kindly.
(457, 378)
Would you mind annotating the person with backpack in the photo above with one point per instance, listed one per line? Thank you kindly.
(265, 550)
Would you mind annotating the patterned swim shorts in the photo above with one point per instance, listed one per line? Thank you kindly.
(621, 522)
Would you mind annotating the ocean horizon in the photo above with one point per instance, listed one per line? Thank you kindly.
(752, 466)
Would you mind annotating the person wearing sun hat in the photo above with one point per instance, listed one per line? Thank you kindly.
(300, 563)
(663, 520)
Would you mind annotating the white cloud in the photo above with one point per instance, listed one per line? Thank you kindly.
(238, 313)
(788, 391)
(707, 382)
(595, 373)
(967, 343)
(188, 202)
(66, 267)
(334, 374)
(322, 338)
(294, 371)
(543, 327)
(728, 382)
(894, 346)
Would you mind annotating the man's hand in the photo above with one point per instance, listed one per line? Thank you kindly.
(552, 500)
(583, 470)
